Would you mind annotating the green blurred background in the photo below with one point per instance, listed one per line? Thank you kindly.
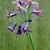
(40, 26)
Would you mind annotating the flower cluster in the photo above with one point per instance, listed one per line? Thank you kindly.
(23, 7)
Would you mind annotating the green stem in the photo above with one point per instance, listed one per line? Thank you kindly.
(31, 41)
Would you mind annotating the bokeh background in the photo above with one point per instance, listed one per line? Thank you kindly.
(40, 26)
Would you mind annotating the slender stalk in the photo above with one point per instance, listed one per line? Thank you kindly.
(31, 41)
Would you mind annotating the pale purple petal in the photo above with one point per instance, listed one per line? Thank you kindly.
(14, 30)
(21, 11)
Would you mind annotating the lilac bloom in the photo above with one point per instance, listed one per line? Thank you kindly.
(11, 14)
(20, 6)
(12, 29)
(37, 12)
(26, 25)
(21, 3)
(31, 3)
(25, 28)
(27, 4)
(35, 9)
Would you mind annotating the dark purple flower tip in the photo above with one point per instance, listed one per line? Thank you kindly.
(13, 14)
(19, 30)
(34, 13)
(30, 20)
(11, 29)
(29, 30)
(21, 3)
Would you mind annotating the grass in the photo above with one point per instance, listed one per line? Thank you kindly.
(40, 35)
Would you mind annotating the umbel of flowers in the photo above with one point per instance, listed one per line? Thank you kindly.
(26, 9)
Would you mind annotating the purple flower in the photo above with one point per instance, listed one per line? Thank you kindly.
(21, 3)
(37, 12)
(12, 29)
(20, 6)
(30, 3)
